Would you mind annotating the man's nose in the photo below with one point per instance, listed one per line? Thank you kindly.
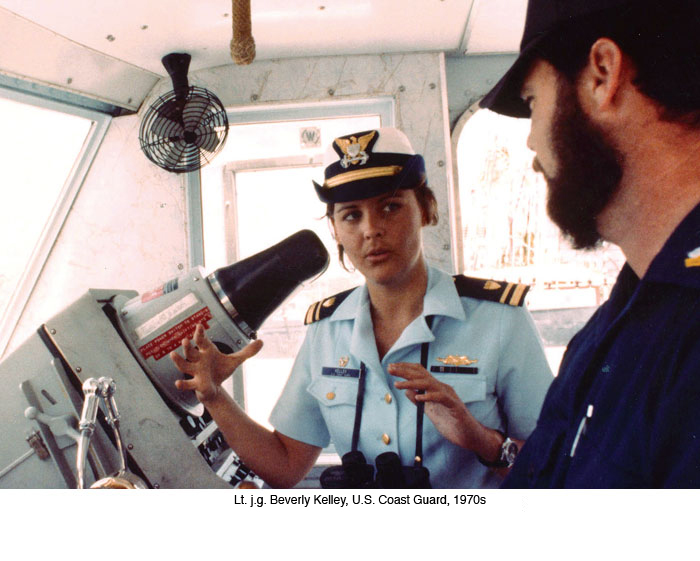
(529, 140)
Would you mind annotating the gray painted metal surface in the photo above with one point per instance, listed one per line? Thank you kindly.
(88, 345)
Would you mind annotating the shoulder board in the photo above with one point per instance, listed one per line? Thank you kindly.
(324, 308)
(503, 292)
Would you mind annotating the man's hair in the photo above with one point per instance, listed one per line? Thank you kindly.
(662, 39)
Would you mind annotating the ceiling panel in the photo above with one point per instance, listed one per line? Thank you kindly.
(140, 32)
(495, 26)
(112, 50)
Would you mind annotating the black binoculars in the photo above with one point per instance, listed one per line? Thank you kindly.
(355, 473)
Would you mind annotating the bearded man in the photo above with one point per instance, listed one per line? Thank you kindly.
(612, 88)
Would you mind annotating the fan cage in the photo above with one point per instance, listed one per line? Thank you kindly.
(182, 131)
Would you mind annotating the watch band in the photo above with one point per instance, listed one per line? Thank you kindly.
(508, 452)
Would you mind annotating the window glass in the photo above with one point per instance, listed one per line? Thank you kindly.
(257, 193)
(507, 234)
(38, 149)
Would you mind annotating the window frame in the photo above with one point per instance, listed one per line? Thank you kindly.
(64, 202)
(384, 106)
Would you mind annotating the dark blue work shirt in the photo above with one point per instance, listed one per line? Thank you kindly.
(624, 410)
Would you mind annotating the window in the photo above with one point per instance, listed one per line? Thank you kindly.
(258, 192)
(507, 235)
(45, 148)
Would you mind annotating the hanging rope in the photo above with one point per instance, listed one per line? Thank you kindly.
(242, 44)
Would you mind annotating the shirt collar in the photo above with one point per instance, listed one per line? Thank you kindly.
(441, 299)
(678, 262)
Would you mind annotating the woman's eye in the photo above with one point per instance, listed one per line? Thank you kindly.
(350, 216)
(390, 207)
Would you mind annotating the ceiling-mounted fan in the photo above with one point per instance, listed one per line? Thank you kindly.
(185, 128)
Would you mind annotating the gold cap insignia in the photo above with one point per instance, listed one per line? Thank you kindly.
(454, 360)
(343, 362)
(354, 149)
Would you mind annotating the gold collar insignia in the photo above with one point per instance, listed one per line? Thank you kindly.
(693, 259)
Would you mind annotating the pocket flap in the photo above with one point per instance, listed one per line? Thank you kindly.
(333, 391)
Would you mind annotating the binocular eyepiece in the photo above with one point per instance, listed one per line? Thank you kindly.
(355, 473)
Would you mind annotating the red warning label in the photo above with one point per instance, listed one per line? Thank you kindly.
(151, 294)
(171, 339)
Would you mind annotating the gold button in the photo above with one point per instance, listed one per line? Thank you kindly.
(386, 439)
(330, 395)
(388, 398)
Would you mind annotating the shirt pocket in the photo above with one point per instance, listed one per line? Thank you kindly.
(468, 388)
(333, 392)
(336, 398)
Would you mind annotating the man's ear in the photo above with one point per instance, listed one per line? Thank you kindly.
(601, 79)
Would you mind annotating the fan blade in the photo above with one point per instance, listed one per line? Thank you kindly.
(167, 120)
(194, 110)
(209, 140)
(199, 116)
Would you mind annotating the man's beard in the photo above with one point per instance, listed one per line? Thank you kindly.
(588, 174)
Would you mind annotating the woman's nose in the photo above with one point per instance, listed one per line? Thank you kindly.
(373, 226)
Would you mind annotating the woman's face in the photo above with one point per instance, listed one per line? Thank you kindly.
(381, 235)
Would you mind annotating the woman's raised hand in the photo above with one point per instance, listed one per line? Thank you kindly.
(442, 404)
(207, 365)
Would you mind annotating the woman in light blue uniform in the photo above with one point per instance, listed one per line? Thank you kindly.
(448, 373)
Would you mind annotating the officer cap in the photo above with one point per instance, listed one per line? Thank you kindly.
(365, 164)
(543, 17)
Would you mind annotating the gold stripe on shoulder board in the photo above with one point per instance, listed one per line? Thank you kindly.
(310, 313)
(317, 311)
(518, 294)
(504, 296)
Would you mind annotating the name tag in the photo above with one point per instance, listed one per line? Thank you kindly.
(340, 372)
(454, 369)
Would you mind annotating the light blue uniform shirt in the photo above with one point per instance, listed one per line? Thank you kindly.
(506, 393)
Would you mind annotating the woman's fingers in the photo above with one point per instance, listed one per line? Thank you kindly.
(185, 385)
(180, 362)
(190, 352)
(408, 370)
(251, 349)
(200, 338)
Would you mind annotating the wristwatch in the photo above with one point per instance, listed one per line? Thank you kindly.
(509, 450)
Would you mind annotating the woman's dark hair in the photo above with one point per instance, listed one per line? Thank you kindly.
(662, 39)
(426, 201)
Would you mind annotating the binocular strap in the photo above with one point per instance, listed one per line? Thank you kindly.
(358, 407)
(420, 406)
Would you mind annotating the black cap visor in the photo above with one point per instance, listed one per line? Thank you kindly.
(412, 173)
(504, 97)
